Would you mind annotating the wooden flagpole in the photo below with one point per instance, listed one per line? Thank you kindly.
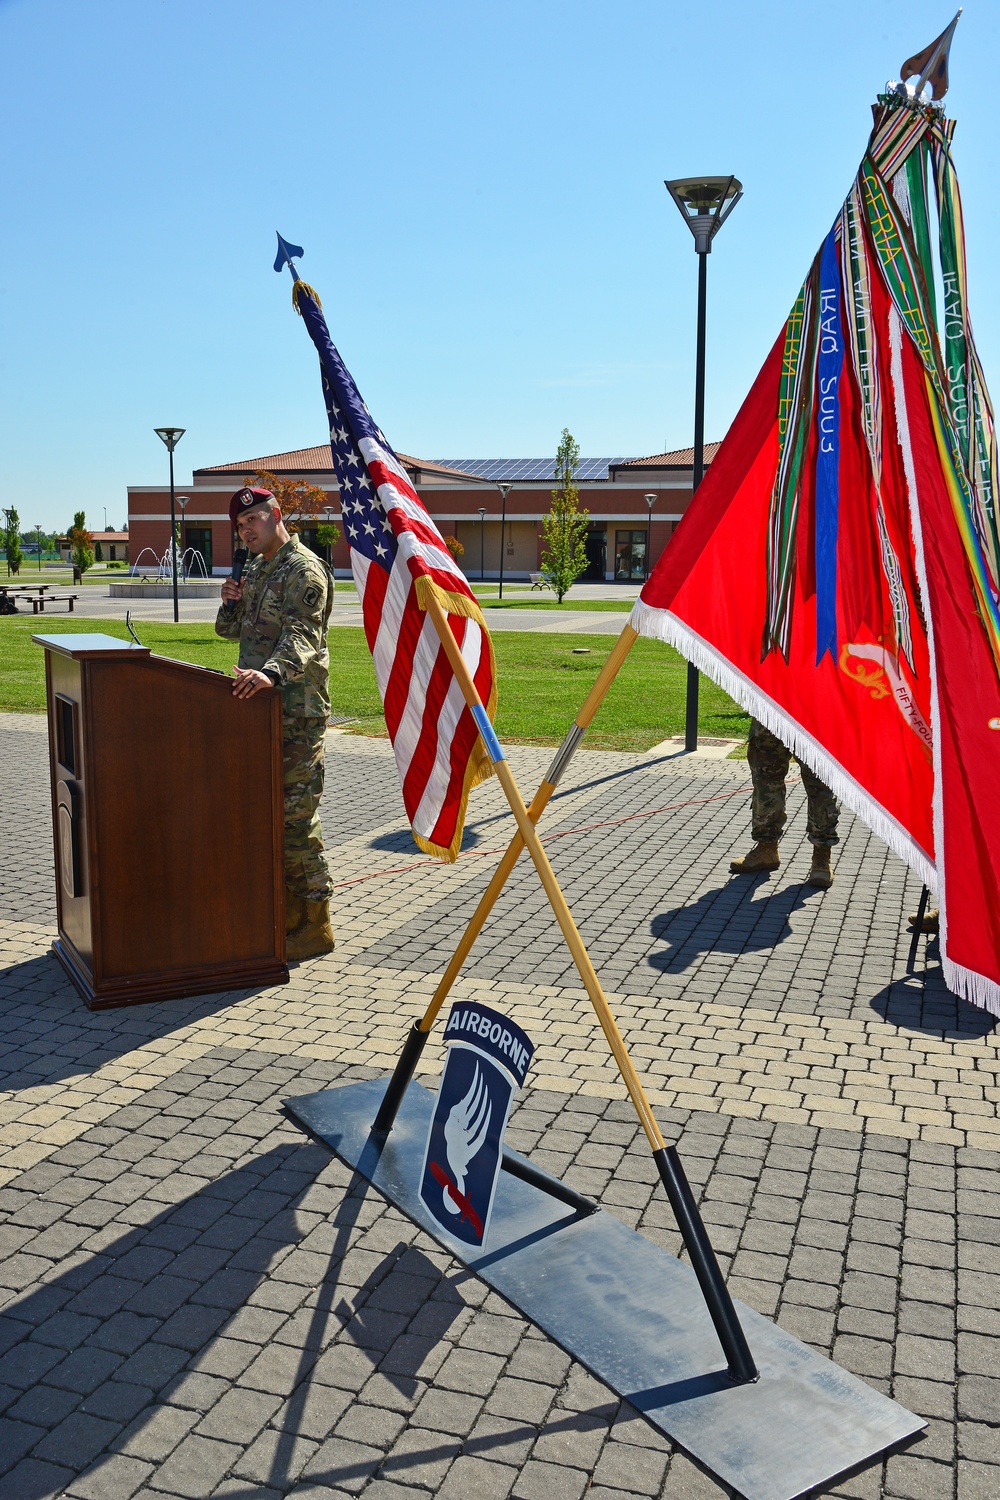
(414, 1046)
(704, 1263)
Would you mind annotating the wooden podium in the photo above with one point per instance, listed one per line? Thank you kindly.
(168, 824)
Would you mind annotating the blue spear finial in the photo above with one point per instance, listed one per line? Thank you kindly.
(284, 256)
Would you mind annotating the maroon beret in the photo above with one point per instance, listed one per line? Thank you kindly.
(245, 498)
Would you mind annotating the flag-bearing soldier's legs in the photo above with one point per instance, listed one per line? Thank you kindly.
(769, 762)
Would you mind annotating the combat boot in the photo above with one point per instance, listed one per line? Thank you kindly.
(929, 922)
(315, 935)
(763, 856)
(295, 912)
(820, 874)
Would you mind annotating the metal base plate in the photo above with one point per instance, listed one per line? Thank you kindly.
(635, 1317)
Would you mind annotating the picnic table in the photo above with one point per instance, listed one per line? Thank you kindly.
(39, 602)
(37, 596)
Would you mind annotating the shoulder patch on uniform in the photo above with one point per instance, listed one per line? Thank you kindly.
(311, 596)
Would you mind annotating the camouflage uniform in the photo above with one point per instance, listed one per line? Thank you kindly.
(769, 766)
(281, 624)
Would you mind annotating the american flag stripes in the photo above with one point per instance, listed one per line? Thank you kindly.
(397, 555)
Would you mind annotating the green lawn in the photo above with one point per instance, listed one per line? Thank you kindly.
(542, 681)
(30, 577)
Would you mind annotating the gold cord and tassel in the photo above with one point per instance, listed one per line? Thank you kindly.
(303, 286)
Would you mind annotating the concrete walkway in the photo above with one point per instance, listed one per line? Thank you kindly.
(94, 604)
(197, 1301)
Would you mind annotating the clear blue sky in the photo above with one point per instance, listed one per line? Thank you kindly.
(478, 188)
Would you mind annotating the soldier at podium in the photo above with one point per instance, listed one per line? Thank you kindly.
(279, 612)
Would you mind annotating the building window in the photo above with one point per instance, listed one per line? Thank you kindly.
(630, 556)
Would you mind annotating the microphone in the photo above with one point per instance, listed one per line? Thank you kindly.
(240, 556)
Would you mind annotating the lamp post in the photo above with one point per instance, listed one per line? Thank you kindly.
(38, 538)
(171, 436)
(505, 489)
(705, 204)
(6, 539)
(650, 501)
(482, 543)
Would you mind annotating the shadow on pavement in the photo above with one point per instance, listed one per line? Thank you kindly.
(920, 1002)
(403, 842)
(78, 1040)
(726, 920)
(105, 1342)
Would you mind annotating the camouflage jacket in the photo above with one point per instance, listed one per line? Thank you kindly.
(281, 624)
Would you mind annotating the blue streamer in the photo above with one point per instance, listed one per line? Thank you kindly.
(829, 367)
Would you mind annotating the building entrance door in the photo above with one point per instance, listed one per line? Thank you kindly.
(199, 538)
(597, 552)
(630, 556)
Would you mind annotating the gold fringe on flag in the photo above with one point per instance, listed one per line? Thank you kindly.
(452, 604)
(304, 286)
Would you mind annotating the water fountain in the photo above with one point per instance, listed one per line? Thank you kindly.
(155, 579)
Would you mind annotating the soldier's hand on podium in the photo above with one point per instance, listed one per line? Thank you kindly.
(232, 592)
(248, 682)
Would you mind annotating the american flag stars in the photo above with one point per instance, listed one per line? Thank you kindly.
(366, 525)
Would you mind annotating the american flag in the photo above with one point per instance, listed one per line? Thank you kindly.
(397, 552)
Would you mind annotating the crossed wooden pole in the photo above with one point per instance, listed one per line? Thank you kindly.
(741, 1364)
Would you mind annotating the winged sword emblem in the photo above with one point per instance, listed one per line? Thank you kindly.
(464, 1133)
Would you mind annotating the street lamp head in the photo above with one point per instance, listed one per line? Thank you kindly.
(651, 500)
(482, 512)
(183, 500)
(705, 204)
(505, 487)
(170, 435)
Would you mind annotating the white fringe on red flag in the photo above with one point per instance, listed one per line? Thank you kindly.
(971, 985)
(664, 626)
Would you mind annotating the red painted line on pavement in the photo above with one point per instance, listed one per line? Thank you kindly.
(546, 838)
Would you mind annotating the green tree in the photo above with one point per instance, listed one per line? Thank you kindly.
(81, 543)
(12, 542)
(328, 535)
(98, 553)
(565, 527)
(297, 500)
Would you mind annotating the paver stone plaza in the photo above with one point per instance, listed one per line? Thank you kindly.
(197, 1300)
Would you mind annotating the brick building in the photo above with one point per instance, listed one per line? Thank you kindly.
(113, 545)
(613, 491)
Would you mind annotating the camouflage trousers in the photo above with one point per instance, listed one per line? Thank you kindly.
(769, 766)
(304, 745)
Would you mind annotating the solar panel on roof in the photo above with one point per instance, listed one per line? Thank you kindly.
(527, 469)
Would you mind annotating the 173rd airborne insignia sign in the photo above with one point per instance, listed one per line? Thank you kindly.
(488, 1058)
